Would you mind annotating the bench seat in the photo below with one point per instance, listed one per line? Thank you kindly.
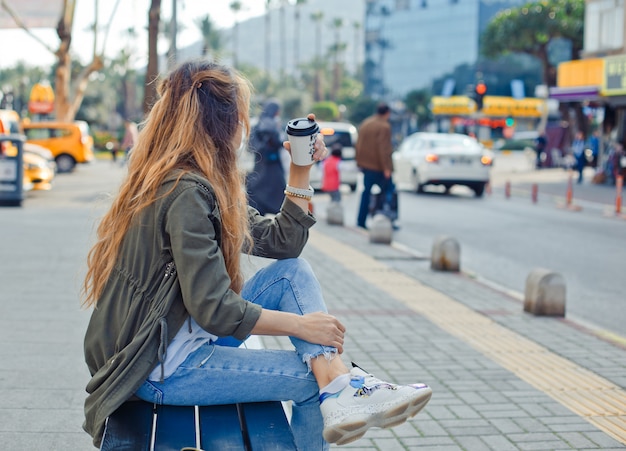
(143, 426)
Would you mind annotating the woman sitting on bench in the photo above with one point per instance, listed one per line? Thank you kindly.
(170, 306)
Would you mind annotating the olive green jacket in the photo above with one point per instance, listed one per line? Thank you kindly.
(169, 267)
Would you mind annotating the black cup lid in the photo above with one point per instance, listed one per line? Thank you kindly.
(302, 126)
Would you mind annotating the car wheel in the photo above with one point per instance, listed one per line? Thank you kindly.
(415, 181)
(65, 163)
(479, 189)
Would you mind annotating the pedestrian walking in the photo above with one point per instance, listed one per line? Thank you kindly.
(331, 180)
(131, 134)
(578, 151)
(540, 148)
(170, 304)
(373, 157)
(266, 182)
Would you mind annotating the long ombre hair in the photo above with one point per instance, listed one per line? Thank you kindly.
(192, 127)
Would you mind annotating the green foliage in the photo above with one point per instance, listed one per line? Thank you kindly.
(326, 111)
(362, 108)
(417, 102)
(101, 138)
(530, 27)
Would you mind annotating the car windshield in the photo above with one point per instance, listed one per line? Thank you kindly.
(342, 138)
(439, 142)
(452, 141)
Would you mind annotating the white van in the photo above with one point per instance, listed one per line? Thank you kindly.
(345, 134)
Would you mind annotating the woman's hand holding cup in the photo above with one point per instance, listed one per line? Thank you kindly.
(305, 145)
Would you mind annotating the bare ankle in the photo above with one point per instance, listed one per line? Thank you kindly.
(327, 369)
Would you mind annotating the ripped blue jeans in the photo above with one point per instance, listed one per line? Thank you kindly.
(223, 373)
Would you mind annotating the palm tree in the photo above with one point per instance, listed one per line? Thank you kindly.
(172, 54)
(336, 49)
(268, 29)
(296, 33)
(356, 26)
(211, 37)
(152, 71)
(235, 7)
(283, 42)
(317, 18)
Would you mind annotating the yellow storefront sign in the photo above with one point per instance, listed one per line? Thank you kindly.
(41, 99)
(453, 106)
(576, 73)
(497, 106)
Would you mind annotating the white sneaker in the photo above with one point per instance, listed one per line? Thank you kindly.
(369, 402)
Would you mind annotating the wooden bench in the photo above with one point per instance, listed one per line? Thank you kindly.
(143, 426)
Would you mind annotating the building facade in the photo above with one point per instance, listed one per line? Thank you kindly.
(289, 36)
(410, 43)
(599, 79)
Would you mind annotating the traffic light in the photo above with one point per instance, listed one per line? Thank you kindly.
(480, 90)
(509, 122)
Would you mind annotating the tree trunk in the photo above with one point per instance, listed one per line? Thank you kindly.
(64, 66)
(152, 71)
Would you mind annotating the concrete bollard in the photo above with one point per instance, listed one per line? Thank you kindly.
(380, 229)
(545, 293)
(334, 214)
(446, 254)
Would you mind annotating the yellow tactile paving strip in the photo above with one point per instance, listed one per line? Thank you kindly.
(598, 400)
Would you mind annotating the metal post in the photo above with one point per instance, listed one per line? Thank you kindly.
(619, 180)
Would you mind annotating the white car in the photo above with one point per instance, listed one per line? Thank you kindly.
(345, 134)
(446, 159)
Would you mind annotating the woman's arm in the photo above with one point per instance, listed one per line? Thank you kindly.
(318, 327)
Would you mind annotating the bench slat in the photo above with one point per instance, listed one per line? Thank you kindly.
(220, 428)
(129, 428)
(175, 428)
(266, 426)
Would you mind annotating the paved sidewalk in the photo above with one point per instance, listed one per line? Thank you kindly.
(502, 379)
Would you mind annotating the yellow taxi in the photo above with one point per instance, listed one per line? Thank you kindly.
(39, 167)
(69, 142)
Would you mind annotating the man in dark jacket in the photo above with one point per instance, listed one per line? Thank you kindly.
(266, 183)
(373, 156)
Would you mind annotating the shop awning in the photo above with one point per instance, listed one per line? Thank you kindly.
(575, 93)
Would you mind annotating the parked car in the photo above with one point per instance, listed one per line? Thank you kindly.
(446, 159)
(9, 122)
(345, 134)
(39, 169)
(69, 142)
(515, 154)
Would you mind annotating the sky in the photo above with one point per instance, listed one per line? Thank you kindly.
(130, 13)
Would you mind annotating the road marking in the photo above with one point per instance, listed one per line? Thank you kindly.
(585, 393)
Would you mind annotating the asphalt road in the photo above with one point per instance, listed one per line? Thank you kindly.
(503, 239)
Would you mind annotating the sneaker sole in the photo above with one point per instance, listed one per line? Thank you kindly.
(350, 431)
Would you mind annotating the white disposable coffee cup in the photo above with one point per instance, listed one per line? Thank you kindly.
(302, 133)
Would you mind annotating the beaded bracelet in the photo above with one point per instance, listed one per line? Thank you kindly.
(303, 192)
(298, 195)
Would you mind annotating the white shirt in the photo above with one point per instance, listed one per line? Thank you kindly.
(183, 344)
